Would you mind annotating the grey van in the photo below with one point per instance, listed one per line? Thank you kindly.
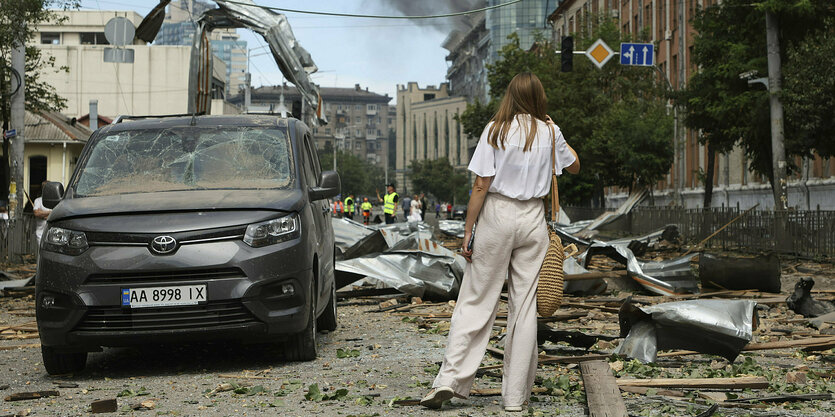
(188, 229)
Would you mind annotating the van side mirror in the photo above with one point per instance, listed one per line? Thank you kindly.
(328, 187)
(52, 193)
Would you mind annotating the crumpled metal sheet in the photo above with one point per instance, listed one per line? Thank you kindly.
(347, 232)
(452, 227)
(411, 260)
(396, 232)
(581, 287)
(414, 264)
(669, 277)
(294, 61)
(716, 327)
(636, 197)
(149, 27)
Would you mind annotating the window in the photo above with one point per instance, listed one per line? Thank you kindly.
(50, 38)
(358, 107)
(93, 38)
(372, 107)
(428, 97)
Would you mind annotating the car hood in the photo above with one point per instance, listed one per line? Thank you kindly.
(179, 201)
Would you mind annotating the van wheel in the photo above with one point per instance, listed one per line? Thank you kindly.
(57, 363)
(327, 321)
(302, 346)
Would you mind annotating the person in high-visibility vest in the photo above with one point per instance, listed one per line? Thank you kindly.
(366, 210)
(349, 207)
(389, 203)
(337, 208)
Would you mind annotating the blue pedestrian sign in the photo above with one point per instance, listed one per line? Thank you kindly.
(640, 54)
(10, 133)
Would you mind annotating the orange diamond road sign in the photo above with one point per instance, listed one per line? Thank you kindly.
(599, 53)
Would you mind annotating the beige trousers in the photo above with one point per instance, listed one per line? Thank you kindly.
(510, 242)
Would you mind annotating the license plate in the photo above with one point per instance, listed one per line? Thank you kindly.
(181, 295)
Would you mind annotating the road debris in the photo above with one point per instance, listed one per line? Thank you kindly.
(718, 327)
(104, 406)
(735, 273)
(21, 396)
(802, 302)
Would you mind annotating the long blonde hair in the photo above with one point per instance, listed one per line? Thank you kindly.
(524, 95)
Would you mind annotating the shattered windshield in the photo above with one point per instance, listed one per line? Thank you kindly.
(187, 158)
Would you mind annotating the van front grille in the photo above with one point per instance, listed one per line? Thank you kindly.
(212, 314)
(164, 277)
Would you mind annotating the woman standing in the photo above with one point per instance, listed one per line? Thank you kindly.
(414, 216)
(513, 162)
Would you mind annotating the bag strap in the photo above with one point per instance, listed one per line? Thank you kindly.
(555, 193)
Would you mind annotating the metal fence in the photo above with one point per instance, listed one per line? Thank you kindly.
(808, 234)
(17, 239)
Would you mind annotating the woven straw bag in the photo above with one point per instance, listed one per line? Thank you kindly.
(550, 287)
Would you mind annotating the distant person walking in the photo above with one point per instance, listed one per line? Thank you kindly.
(448, 210)
(407, 206)
(423, 206)
(513, 164)
(441, 212)
(349, 207)
(366, 210)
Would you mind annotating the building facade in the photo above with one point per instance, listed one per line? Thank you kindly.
(155, 83)
(359, 121)
(179, 29)
(427, 129)
(526, 19)
(468, 54)
(669, 25)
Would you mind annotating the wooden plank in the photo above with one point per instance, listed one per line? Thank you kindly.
(595, 275)
(645, 390)
(31, 395)
(811, 342)
(490, 392)
(602, 393)
(752, 382)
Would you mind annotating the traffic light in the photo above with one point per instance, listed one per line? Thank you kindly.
(567, 54)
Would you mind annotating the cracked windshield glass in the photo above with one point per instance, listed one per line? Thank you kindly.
(180, 159)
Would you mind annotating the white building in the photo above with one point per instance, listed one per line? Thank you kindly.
(155, 83)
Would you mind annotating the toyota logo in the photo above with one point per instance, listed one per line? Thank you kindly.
(163, 244)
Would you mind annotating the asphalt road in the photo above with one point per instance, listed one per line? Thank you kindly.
(387, 359)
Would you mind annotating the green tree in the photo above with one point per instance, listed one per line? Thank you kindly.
(727, 111)
(357, 176)
(810, 92)
(615, 118)
(439, 178)
(18, 19)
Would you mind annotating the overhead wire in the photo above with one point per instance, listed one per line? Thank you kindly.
(369, 16)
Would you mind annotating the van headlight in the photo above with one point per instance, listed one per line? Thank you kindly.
(68, 242)
(272, 231)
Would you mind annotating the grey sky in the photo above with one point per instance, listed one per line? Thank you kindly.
(375, 53)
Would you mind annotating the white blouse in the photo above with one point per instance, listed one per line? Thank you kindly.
(518, 174)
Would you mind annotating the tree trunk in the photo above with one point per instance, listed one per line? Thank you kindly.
(711, 161)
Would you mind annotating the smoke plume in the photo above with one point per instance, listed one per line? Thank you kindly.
(435, 7)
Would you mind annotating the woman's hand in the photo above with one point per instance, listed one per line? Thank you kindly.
(465, 251)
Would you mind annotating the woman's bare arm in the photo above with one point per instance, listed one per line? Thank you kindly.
(480, 187)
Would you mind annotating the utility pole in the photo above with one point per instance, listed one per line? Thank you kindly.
(681, 134)
(18, 113)
(778, 148)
